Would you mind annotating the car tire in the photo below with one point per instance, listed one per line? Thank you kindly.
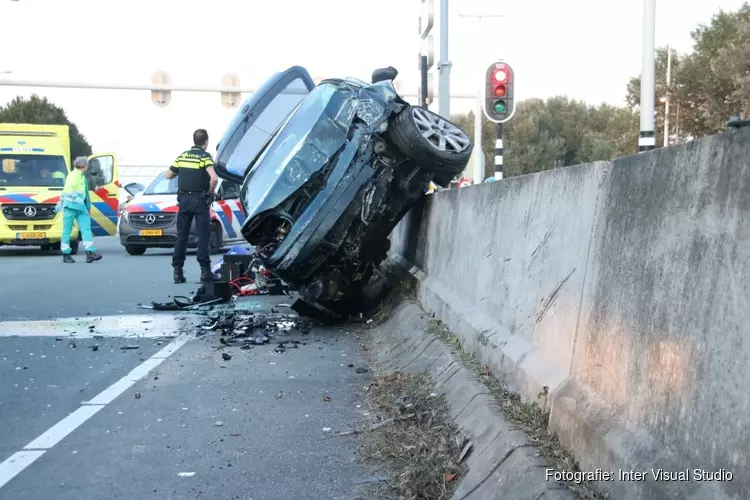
(445, 160)
(216, 239)
(133, 250)
(74, 245)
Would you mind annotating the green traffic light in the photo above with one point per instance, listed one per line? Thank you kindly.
(500, 107)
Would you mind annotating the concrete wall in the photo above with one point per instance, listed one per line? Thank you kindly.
(619, 293)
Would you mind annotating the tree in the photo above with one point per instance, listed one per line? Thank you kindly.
(556, 133)
(39, 110)
(708, 85)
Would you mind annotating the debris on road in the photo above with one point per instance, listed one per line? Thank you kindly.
(361, 370)
(95, 347)
(245, 330)
(219, 423)
(186, 474)
(137, 395)
(326, 397)
(130, 347)
(72, 344)
(225, 356)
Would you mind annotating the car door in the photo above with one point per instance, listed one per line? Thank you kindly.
(258, 119)
(104, 190)
(229, 211)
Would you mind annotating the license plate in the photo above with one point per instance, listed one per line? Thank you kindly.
(151, 232)
(32, 236)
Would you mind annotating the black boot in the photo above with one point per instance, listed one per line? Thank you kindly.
(179, 275)
(92, 257)
(68, 259)
(208, 275)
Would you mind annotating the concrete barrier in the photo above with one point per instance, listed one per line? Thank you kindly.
(617, 295)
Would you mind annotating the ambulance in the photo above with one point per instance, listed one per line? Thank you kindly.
(35, 162)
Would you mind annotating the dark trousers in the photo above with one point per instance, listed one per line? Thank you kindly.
(192, 206)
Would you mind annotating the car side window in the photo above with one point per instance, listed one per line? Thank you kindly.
(229, 191)
(254, 137)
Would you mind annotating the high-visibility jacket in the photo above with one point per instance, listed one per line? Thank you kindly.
(75, 194)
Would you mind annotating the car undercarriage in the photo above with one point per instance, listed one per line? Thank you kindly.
(329, 186)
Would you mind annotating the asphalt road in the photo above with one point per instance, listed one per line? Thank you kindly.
(170, 419)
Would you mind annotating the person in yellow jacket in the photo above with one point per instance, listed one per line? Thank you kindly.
(75, 204)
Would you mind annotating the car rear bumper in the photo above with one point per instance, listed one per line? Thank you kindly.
(305, 248)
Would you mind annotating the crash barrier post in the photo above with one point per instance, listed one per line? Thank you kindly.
(611, 294)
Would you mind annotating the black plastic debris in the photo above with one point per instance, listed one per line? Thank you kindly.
(129, 347)
(225, 356)
(95, 347)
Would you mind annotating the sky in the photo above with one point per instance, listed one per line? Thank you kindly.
(585, 49)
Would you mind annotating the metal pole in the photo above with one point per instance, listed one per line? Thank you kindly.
(173, 88)
(479, 159)
(423, 81)
(646, 141)
(444, 66)
(666, 102)
(499, 170)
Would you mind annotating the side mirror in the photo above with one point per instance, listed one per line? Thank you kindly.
(134, 188)
(381, 74)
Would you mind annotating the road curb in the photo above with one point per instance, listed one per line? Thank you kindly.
(504, 464)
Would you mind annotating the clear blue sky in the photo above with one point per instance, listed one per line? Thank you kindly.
(585, 49)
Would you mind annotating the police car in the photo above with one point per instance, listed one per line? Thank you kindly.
(149, 220)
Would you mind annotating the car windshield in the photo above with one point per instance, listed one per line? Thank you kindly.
(161, 185)
(32, 170)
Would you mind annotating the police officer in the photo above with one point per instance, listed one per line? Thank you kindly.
(196, 183)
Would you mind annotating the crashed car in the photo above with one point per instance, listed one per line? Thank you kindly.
(327, 171)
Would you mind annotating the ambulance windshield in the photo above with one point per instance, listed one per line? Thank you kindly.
(32, 170)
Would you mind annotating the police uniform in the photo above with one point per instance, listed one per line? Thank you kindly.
(193, 198)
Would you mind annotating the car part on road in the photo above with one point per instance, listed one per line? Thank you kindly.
(323, 191)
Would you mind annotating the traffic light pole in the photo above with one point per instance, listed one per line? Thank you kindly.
(647, 141)
(444, 65)
(499, 153)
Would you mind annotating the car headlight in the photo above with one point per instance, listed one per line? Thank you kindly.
(125, 216)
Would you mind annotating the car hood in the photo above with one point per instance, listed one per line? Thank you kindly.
(309, 138)
(152, 203)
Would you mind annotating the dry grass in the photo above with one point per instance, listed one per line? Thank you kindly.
(529, 417)
(415, 439)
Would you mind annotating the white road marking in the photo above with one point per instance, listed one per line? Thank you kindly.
(123, 326)
(110, 393)
(57, 432)
(17, 462)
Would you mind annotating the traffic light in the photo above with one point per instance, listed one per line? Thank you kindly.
(499, 105)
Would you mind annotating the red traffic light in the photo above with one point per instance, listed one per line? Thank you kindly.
(499, 76)
(499, 91)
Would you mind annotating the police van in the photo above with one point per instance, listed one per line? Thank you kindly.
(149, 220)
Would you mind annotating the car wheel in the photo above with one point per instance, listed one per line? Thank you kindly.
(434, 143)
(216, 241)
(74, 245)
(135, 250)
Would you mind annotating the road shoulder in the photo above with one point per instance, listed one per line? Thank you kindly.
(502, 456)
